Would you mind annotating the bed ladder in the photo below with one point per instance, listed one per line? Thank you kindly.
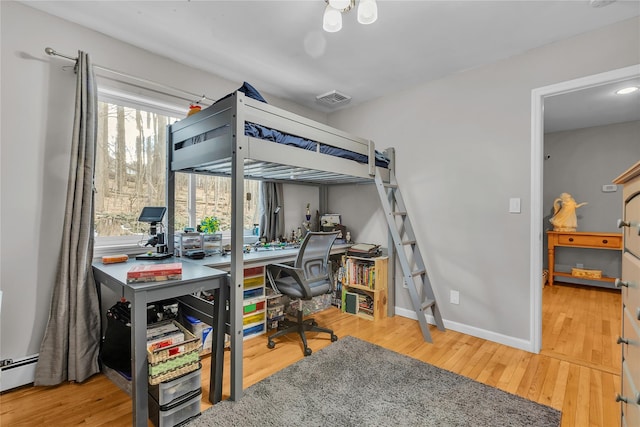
(408, 254)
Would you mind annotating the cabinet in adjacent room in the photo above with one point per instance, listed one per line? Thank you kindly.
(629, 395)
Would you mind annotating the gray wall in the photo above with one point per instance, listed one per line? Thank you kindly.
(463, 147)
(580, 162)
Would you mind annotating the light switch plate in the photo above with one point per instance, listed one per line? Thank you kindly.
(609, 188)
(514, 205)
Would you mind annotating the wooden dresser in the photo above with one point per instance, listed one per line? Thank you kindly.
(629, 395)
(580, 239)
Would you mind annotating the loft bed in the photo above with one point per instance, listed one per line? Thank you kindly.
(241, 136)
(306, 150)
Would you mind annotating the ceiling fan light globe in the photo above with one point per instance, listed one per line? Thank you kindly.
(339, 4)
(331, 20)
(367, 11)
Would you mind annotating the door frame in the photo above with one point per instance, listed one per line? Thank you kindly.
(538, 96)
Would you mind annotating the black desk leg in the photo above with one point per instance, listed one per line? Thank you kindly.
(221, 298)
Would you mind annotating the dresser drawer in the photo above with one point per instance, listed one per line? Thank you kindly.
(631, 351)
(590, 240)
(632, 215)
(631, 275)
(630, 408)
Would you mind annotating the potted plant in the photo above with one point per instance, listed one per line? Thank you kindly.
(210, 225)
(212, 238)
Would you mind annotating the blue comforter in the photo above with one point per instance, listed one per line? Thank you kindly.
(262, 132)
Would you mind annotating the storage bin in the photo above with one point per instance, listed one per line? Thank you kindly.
(275, 312)
(314, 305)
(253, 330)
(253, 318)
(250, 308)
(252, 282)
(165, 393)
(173, 361)
(252, 293)
(176, 413)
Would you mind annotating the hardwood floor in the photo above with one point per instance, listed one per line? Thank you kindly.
(577, 372)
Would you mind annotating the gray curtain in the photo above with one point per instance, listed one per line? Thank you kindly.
(70, 347)
(272, 218)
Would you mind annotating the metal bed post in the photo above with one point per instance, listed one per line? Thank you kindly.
(323, 202)
(391, 273)
(237, 229)
(170, 194)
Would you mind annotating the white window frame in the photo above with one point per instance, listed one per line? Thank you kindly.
(130, 245)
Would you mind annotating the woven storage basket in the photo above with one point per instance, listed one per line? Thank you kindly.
(173, 361)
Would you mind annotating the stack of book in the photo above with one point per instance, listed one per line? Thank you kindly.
(163, 335)
(154, 272)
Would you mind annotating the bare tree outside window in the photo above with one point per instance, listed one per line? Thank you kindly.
(131, 174)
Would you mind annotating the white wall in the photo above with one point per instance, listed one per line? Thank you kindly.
(463, 149)
(38, 94)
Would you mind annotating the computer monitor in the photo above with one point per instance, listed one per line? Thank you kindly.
(152, 214)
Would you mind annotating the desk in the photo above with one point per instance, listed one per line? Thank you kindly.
(580, 239)
(194, 278)
(259, 258)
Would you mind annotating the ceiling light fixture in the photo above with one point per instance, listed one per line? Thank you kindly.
(627, 90)
(332, 18)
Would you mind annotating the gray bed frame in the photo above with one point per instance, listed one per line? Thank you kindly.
(213, 142)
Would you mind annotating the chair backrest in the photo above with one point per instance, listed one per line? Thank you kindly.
(313, 257)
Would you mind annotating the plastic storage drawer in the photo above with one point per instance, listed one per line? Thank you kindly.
(176, 413)
(167, 392)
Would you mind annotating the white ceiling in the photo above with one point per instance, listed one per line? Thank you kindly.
(280, 47)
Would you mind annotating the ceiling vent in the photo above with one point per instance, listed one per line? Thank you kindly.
(333, 98)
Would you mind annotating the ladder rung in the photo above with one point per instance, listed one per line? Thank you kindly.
(400, 213)
(418, 272)
(409, 242)
(390, 185)
(428, 303)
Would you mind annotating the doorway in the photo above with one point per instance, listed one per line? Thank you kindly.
(537, 154)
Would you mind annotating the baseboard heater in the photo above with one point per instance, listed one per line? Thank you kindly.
(18, 372)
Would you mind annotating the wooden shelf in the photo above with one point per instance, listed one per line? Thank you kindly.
(372, 271)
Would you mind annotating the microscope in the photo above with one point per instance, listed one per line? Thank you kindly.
(153, 215)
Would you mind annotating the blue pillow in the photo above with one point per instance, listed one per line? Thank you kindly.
(252, 92)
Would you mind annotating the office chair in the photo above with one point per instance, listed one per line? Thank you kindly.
(310, 276)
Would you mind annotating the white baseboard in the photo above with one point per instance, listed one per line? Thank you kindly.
(20, 372)
(473, 331)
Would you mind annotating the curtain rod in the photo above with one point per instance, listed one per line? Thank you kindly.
(197, 99)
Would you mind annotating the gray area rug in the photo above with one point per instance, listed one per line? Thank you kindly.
(354, 383)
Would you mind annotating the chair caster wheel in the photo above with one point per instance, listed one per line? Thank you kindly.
(334, 337)
(307, 351)
(271, 344)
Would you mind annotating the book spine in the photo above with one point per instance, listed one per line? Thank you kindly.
(145, 279)
(141, 274)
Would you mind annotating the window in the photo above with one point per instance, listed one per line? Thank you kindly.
(131, 174)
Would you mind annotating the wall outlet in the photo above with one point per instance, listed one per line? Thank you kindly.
(454, 297)
(579, 265)
(404, 284)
